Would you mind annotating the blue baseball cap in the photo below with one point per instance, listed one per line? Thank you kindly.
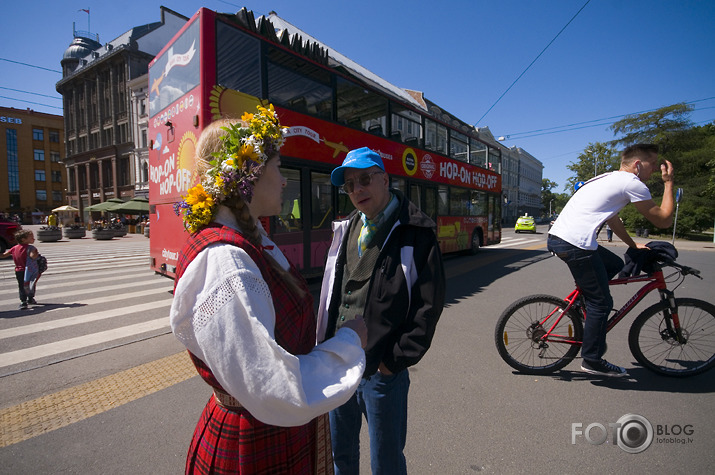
(358, 158)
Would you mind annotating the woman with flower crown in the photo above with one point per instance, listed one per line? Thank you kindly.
(247, 317)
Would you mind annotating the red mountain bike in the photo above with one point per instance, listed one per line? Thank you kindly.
(541, 334)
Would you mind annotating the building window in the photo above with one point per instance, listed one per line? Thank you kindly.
(13, 168)
(55, 157)
(56, 176)
(39, 155)
(57, 196)
(38, 134)
(41, 195)
(55, 136)
(39, 175)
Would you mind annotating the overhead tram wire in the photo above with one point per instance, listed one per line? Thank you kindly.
(569, 127)
(31, 65)
(532, 63)
(30, 102)
(33, 93)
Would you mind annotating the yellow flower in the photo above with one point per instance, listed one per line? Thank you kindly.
(219, 181)
(247, 151)
(247, 117)
(198, 198)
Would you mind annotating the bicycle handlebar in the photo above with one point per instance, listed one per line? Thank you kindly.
(685, 270)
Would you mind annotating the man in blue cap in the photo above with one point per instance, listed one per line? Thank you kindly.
(384, 264)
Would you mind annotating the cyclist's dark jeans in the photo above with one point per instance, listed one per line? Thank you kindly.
(591, 270)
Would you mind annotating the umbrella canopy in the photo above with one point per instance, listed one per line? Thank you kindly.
(105, 205)
(64, 208)
(137, 205)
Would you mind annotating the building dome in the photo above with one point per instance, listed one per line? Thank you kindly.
(78, 49)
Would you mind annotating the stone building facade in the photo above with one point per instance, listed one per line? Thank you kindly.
(102, 86)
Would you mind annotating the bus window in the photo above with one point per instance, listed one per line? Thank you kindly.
(431, 203)
(290, 219)
(459, 202)
(238, 58)
(321, 191)
(345, 206)
(458, 146)
(399, 184)
(495, 160)
(478, 204)
(406, 125)
(443, 201)
(415, 195)
(435, 137)
(308, 92)
(477, 153)
(360, 108)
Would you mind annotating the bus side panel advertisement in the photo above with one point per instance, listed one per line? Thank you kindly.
(329, 143)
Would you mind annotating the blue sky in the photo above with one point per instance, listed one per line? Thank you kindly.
(616, 57)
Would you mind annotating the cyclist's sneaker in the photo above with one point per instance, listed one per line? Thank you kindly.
(603, 368)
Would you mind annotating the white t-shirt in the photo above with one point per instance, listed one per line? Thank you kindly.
(598, 200)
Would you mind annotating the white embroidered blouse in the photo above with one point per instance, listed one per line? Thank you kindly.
(223, 313)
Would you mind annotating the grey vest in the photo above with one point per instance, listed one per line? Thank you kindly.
(358, 270)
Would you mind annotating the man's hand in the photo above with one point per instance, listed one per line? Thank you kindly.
(383, 369)
(666, 171)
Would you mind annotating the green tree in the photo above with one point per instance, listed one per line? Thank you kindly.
(690, 149)
(652, 127)
(547, 196)
(597, 158)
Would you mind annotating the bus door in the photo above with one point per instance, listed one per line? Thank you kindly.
(321, 204)
(303, 228)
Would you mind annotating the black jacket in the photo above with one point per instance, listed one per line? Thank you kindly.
(405, 295)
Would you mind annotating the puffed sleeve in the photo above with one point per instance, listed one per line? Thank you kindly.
(223, 313)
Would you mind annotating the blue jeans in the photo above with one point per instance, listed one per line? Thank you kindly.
(591, 270)
(382, 400)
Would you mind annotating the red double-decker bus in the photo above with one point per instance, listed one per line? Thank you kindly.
(221, 65)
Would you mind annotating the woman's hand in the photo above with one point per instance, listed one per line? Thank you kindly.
(358, 326)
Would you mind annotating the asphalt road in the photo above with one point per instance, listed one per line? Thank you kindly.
(469, 411)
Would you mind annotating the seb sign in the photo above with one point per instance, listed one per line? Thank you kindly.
(10, 120)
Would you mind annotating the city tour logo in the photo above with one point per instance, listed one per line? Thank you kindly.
(633, 433)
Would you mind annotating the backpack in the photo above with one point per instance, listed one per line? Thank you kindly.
(41, 263)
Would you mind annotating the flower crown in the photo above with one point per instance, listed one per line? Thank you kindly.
(235, 168)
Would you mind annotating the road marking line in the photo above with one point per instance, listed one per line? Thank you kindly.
(92, 317)
(66, 297)
(54, 411)
(51, 349)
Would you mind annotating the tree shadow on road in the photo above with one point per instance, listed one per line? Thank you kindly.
(464, 278)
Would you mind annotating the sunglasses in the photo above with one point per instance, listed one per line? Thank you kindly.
(363, 180)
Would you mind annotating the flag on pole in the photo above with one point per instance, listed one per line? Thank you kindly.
(83, 10)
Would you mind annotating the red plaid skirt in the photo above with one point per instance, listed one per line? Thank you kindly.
(227, 442)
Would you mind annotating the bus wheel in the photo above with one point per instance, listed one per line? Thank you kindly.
(476, 242)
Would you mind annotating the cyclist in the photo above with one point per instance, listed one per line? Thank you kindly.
(573, 239)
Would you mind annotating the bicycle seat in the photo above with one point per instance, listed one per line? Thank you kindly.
(647, 260)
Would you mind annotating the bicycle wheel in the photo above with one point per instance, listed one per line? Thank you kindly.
(655, 346)
(526, 340)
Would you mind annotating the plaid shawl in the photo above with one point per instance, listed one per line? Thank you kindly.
(225, 441)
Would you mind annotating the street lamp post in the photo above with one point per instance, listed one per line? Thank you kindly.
(595, 162)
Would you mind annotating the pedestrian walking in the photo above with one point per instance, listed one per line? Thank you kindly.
(25, 255)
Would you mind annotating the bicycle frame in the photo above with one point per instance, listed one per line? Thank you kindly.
(654, 281)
